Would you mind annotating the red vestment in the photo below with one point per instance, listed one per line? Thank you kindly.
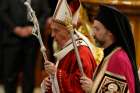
(68, 73)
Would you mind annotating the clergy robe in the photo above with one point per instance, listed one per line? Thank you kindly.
(68, 73)
(114, 74)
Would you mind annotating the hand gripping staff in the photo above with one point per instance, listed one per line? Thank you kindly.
(36, 32)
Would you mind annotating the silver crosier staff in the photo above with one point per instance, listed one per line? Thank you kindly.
(36, 32)
(71, 30)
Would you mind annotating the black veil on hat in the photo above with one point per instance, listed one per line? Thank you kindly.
(119, 25)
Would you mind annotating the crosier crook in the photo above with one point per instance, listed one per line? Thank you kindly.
(36, 32)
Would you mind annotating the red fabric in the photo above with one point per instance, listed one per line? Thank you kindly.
(121, 65)
(68, 74)
(74, 5)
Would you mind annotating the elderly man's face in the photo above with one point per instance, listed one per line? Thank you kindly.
(60, 33)
(100, 33)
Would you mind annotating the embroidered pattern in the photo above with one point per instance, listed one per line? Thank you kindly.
(111, 83)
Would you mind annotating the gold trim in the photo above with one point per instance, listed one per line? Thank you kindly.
(60, 22)
(117, 83)
(114, 2)
(115, 75)
(100, 75)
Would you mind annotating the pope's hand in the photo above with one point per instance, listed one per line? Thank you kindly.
(50, 68)
(46, 85)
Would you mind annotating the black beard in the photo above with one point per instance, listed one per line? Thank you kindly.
(98, 43)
